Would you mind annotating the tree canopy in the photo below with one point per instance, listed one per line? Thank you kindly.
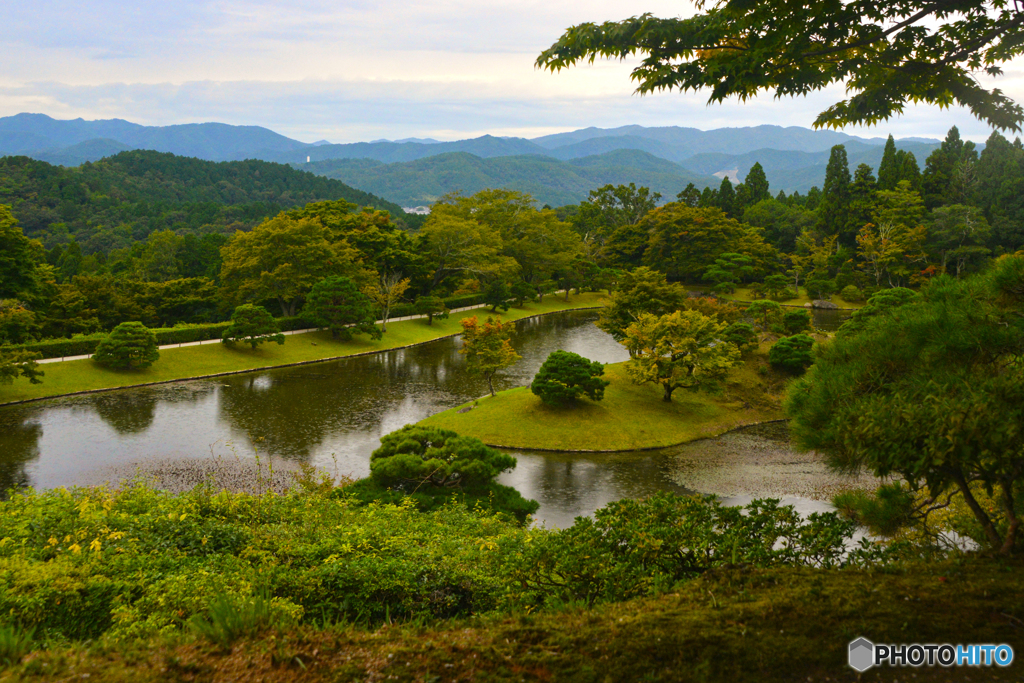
(931, 390)
(681, 349)
(887, 54)
(487, 348)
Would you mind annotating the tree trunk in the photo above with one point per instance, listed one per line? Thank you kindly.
(567, 293)
(490, 384)
(285, 308)
(668, 392)
(1011, 516)
(979, 513)
(430, 319)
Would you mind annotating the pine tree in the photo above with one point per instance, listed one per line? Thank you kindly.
(254, 325)
(130, 345)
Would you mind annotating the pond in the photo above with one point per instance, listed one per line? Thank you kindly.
(330, 415)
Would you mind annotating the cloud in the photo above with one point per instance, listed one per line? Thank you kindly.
(353, 70)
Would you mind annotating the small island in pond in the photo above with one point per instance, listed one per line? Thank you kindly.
(630, 417)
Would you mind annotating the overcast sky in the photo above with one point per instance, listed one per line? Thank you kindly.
(350, 71)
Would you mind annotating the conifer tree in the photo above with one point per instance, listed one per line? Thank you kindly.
(834, 210)
(131, 345)
(756, 183)
(888, 170)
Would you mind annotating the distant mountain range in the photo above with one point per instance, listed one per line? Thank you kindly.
(556, 169)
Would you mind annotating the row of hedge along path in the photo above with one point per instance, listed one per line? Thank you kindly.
(289, 332)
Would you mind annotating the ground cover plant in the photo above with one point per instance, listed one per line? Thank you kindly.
(138, 562)
(311, 584)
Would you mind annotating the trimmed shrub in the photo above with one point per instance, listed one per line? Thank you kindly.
(742, 335)
(130, 345)
(413, 457)
(852, 294)
(792, 354)
(796, 322)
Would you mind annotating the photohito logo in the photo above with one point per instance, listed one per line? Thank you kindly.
(864, 654)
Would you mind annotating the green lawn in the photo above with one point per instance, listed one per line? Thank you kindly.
(744, 294)
(630, 416)
(210, 359)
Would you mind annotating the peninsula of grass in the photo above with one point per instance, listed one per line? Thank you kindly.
(631, 417)
(71, 377)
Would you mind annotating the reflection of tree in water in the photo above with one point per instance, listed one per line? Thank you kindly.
(21, 446)
(567, 481)
(292, 412)
(127, 412)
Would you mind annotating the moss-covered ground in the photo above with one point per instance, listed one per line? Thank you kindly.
(731, 625)
(630, 416)
(211, 359)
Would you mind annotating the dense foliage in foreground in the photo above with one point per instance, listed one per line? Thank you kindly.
(137, 562)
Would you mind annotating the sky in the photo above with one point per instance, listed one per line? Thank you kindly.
(349, 71)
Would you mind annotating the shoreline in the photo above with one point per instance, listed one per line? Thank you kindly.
(643, 449)
(356, 354)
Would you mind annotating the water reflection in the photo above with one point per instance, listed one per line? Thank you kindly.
(333, 414)
(127, 412)
(21, 447)
(327, 414)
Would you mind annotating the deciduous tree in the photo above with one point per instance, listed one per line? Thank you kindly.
(386, 292)
(887, 54)
(281, 259)
(681, 349)
(487, 348)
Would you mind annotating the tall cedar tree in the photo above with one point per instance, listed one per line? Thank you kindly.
(756, 183)
(834, 210)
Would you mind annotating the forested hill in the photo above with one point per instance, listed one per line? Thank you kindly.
(549, 181)
(107, 204)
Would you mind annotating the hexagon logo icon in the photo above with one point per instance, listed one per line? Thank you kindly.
(862, 654)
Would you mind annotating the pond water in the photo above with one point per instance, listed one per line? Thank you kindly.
(332, 415)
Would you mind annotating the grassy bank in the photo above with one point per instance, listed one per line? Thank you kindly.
(730, 625)
(210, 359)
(630, 416)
